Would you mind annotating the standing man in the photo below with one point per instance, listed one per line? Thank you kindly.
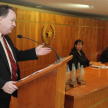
(9, 56)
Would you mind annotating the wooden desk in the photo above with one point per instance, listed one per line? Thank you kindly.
(92, 95)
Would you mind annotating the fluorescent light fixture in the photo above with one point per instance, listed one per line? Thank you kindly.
(80, 6)
(77, 6)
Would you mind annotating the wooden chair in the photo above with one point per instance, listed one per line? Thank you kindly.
(98, 56)
(86, 56)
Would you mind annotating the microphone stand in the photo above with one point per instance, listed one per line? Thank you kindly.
(58, 57)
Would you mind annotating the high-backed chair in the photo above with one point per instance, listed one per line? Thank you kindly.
(86, 56)
(98, 56)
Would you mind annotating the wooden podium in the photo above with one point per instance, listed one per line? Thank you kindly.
(45, 89)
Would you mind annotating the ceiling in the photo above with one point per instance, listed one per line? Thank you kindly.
(100, 10)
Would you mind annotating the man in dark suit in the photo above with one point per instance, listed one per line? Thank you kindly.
(7, 87)
(104, 56)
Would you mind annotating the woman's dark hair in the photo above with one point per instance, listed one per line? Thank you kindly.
(75, 43)
(78, 40)
(4, 9)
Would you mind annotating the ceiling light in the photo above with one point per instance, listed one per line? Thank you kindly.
(69, 5)
(80, 6)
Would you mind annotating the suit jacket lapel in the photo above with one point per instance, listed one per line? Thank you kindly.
(2, 53)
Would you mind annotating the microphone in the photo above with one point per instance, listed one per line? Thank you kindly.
(58, 57)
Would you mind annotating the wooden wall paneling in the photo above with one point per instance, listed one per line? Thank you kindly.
(88, 33)
(27, 15)
(12, 35)
(88, 22)
(90, 41)
(92, 44)
(102, 39)
(24, 44)
(58, 19)
(102, 23)
(102, 35)
(52, 18)
(28, 30)
(46, 18)
(75, 34)
(73, 20)
(67, 42)
(105, 38)
(62, 40)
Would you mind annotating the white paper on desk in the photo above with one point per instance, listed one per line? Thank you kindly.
(104, 67)
(97, 66)
(36, 72)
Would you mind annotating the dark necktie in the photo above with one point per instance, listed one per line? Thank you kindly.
(12, 61)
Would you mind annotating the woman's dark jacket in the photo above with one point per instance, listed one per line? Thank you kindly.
(78, 58)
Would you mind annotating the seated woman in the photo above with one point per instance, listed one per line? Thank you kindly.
(78, 55)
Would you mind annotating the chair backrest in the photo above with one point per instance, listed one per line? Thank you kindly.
(98, 56)
(86, 56)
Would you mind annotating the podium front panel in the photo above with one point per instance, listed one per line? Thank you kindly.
(39, 93)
